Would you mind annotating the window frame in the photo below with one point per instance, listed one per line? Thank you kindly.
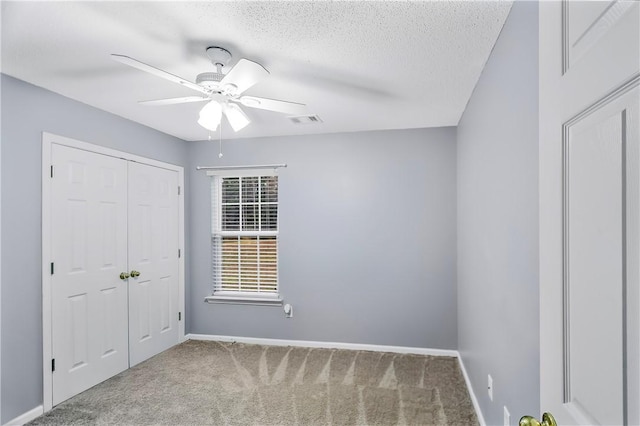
(241, 297)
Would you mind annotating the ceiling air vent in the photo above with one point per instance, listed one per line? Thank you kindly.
(305, 119)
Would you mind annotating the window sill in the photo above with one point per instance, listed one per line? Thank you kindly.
(240, 299)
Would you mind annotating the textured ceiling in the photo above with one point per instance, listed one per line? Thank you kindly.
(358, 65)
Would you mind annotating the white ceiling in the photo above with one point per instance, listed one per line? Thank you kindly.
(358, 65)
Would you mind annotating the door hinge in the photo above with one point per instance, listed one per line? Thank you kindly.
(51, 171)
(178, 190)
(53, 364)
(179, 253)
(51, 268)
(179, 316)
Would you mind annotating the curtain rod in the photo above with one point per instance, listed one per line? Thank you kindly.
(263, 166)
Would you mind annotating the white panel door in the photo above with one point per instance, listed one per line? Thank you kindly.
(589, 211)
(89, 248)
(153, 253)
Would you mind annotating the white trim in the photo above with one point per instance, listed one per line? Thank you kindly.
(26, 417)
(233, 292)
(181, 259)
(0, 232)
(472, 394)
(221, 297)
(99, 149)
(47, 350)
(327, 345)
(48, 139)
(247, 233)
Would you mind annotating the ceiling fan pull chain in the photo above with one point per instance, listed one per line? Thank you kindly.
(220, 140)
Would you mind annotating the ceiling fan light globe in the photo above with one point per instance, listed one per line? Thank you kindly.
(237, 118)
(210, 116)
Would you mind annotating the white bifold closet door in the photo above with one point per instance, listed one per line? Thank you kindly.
(153, 252)
(89, 247)
(110, 216)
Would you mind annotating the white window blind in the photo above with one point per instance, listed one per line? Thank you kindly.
(244, 238)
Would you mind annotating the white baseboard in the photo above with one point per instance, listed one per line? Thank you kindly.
(472, 395)
(327, 345)
(26, 417)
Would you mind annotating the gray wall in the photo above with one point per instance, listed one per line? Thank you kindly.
(367, 239)
(367, 232)
(498, 331)
(27, 111)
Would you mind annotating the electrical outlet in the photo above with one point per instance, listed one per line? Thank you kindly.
(507, 416)
(288, 311)
(490, 386)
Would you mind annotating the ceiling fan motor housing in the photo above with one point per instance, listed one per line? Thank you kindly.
(209, 80)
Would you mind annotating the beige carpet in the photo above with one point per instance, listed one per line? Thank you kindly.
(211, 383)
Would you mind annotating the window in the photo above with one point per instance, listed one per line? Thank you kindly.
(244, 237)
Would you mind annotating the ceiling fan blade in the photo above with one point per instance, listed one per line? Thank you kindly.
(243, 75)
(237, 118)
(158, 72)
(171, 101)
(291, 108)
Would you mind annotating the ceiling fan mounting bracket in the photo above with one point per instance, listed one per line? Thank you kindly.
(218, 55)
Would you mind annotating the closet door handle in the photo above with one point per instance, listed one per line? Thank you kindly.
(135, 274)
(547, 420)
(124, 275)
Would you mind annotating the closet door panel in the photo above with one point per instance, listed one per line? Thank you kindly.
(89, 251)
(153, 253)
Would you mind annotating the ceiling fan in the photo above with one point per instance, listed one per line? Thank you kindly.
(222, 90)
